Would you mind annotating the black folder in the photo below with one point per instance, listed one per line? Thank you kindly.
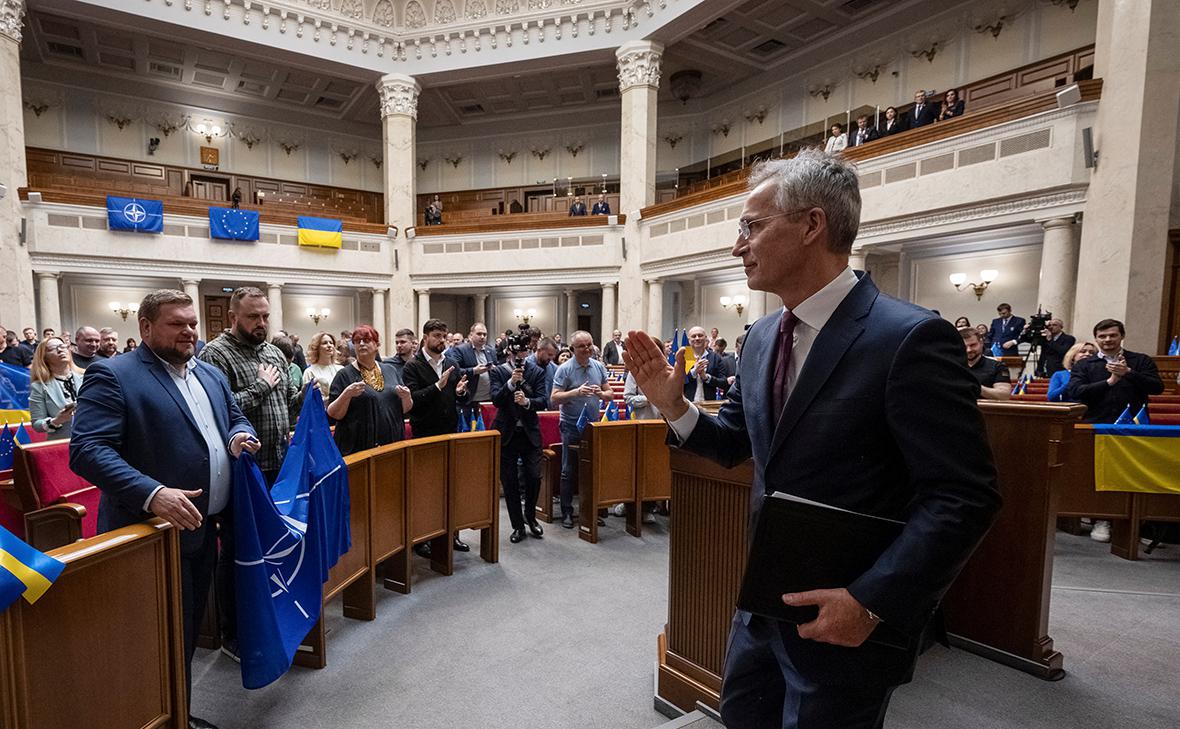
(802, 545)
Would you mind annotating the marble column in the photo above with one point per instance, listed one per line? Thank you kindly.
(379, 322)
(609, 321)
(18, 303)
(274, 297)
(655, 308)
(399, 114)
(1059, 268)
(481, 312)
(1124, 242)
(192, 287)
(571, 314)
(50, 302)
(423, 308)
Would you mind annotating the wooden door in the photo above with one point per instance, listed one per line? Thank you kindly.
(216, 316)
(210, 189)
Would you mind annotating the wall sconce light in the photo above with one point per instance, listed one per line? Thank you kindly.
(123, 309)
(348, 155)
(37, 106)
(524, 316)
(994, 27)
(928, 53)
(167, 123)
(738, 302)
(288, 146)
(574, 147)
(119, 119)
(423, 163)
(756, 115)
(507, 156)
(249, 138)
(959, 281)
(871, 72)
(454, 159)
(1071, 4)
(376, 160)
(540, 152)
(209, 130)
(673, 138)
(824, 90)
(721, 128)
(317, 315)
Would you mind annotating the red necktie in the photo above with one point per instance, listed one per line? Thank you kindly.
(782, 360)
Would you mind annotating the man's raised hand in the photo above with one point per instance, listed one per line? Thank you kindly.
(662, 383)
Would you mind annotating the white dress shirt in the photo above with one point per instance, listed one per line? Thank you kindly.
(201, 408)
(813, 313)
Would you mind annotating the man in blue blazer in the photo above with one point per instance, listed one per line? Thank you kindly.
(155, 431)
(1006, 330)
(848, 397)
(708, 374)
(475, 358)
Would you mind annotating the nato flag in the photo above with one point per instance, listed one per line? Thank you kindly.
(132, 213)
(233, 223)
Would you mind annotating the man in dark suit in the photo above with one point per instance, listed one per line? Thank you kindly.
(518, 392)
(707, 375)
(602, 207)
(1057, 343)
(923, 112)
(1113, 380)
(155, 431)
(1005, 331)
(436, 388)
(612, 351)
(577, 208)
(475, 357)
(863, 132)
(848, 397)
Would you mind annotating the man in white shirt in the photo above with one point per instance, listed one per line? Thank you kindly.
(854, 399)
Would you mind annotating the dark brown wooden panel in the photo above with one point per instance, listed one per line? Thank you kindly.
(426, 487)
(388, 474)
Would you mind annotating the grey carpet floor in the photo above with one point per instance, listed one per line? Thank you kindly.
(562, 633)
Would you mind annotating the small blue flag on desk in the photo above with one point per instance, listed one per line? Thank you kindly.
(233, 224)
(24, 571)
(132, 213)
(1125, 418)
(1174, 349)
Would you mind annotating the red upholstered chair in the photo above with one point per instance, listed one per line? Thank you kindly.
(409, 430)
(550, 463)
(488, 411)
(1164, 418)
(42, 478)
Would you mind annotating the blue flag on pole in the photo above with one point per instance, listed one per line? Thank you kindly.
(997, 350)
(1174, 348)
(132, 213)
(233, 224)
(287, 540)
(583, 419)
(1141, 417)
(7, 448)
(24, 571)
(1125, 418)
(672, 351)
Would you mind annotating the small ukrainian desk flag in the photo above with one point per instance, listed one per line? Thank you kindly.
(24, 570)
(320, 232)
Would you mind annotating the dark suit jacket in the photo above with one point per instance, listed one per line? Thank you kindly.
(612, 353)
(715, 377)
(956, 109)
(900, 124)
(926, 116)
(1001, 332)
(1104, 403)
(577, 209)
(434, 409)
(1053, 354)
(870, 134)
(133, 431)
(508, 413)
(600, 208)
(883, 420)
(464, 354)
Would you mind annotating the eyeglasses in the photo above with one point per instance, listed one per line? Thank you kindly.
(745, 226)
(361, 340)
(55, 350)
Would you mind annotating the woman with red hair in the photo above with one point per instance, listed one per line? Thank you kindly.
(368, 401)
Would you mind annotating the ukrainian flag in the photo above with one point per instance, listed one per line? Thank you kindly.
(1139, 458)
(320, 232)
(24, 570)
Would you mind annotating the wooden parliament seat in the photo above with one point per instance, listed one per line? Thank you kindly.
(998, 607)
(550, 464)
(116, 608)
(59, 506)
(621, 462)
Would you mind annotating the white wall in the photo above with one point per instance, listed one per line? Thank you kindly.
(548, 317)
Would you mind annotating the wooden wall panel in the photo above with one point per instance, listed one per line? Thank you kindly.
(426, 488)
(653, 467)
(474, 478)
(388, 471)
(354, 564)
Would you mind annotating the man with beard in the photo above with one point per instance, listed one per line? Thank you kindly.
(262, 388)
(155, 431)
(108, 342)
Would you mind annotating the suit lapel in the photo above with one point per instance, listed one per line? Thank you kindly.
(156, 367)
(837, 335)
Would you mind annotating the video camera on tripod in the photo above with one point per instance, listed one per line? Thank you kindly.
(1034, 331)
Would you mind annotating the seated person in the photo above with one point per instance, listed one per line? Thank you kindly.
(994, 381)
(893, 123)
(952, 106)
(433, 215)
(838, 139)
(1060, 379)
(577, 207)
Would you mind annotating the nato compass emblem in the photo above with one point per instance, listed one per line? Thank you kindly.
(134, 212)
(283, 562)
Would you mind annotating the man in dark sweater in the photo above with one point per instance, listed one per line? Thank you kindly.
(436, 388)
(1115, 379)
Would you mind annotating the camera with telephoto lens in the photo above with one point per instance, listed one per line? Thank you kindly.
(1034, 331)
(516, 344)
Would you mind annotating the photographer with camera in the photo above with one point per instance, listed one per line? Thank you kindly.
(1006, 330)
(518, 392)
(1053, 347)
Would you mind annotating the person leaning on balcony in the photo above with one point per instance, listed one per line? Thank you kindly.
(923, 112)
(837, 141)
(894, 122)
(952, 106)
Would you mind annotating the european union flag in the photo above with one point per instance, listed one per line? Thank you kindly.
(24, 571)
(672, 350)
(287, 540)
(132, 213)
(583, 419)
(7, 448)
(997, 350)
(233, 224)
(14, 387)
(1174, 348)
(1124, 417)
